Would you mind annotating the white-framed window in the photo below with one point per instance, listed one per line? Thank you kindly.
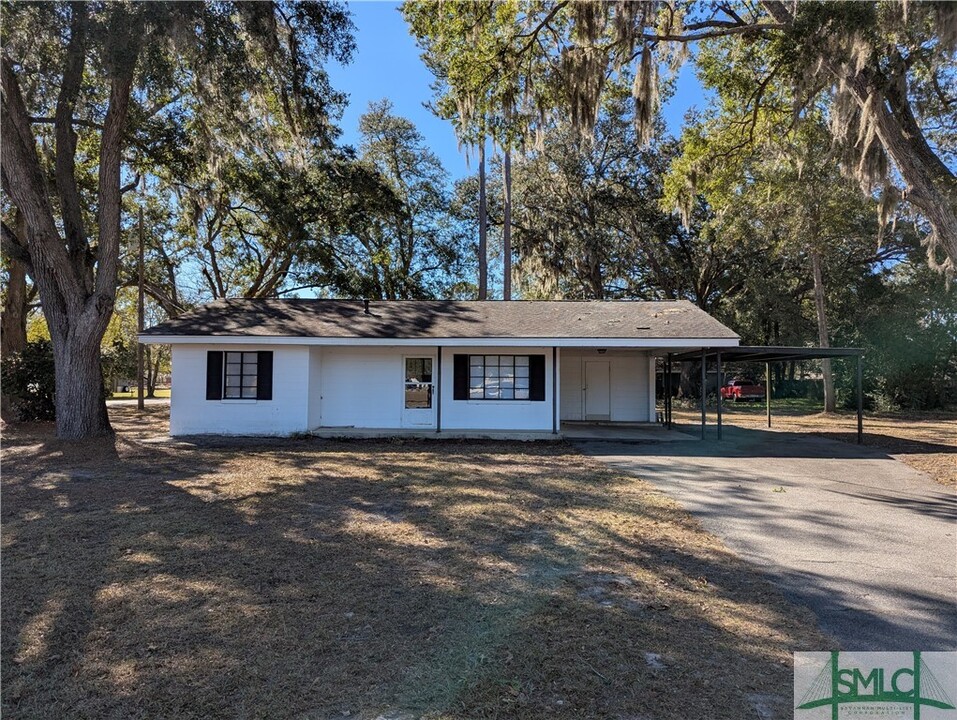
(498, 377)
(418, 383)
(240, 376)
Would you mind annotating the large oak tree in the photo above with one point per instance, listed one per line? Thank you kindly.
(885, 69)
(79, 82)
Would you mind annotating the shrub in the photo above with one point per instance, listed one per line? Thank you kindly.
(812, 389)
(28, 382)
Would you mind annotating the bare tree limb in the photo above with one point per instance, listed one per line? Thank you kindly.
(130, 185)
(65, 163)
(716, 33)
(75, 121)
(14, 247)
(108, 214)
(26, 186)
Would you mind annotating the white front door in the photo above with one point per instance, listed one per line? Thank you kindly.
(418, 404)
(597, 390)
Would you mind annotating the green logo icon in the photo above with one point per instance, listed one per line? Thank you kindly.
(875, 684)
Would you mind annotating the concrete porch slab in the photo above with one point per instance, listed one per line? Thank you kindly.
(622, 432)
(431, 434)
(595, 432)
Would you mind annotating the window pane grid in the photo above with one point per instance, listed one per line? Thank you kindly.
(241, 376)
(418, 383)
(498, 377)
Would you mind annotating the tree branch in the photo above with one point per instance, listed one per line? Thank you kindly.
(720, 32)
(24, 182)
(65, 164)
(532, 35)
(14, 248)
(75, 121)
(130, 186)
(109, 184)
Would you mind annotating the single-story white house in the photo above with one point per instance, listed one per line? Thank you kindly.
(278, 367)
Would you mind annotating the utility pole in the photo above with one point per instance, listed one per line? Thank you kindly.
(140, 310)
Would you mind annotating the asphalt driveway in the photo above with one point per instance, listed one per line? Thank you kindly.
(868, 543)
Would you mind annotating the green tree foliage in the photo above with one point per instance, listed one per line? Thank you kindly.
(775, 186)
(473, 50)
(583, 210)
(28, 383)
(905, 318)
(17, 293)
(372, 224)
(589, 223)
(393, 237)
(118, 349)
(883, 69)
(80, 80)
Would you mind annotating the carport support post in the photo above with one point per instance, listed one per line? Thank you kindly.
(704, 387)
(671, 393)
(720, 385)
(667, 389)
(767, 389)
(555, 422)
(860, 400)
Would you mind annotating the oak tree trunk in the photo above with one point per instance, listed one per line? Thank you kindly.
(13, 318)
(153, 357)
(13, 324)
(80, 392)
(822, 333)
(687, 383)
(76, 302)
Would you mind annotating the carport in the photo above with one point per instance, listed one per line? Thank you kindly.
(756, 354)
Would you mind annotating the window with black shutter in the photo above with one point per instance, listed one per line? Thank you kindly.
(214, 375)
(238, 375)
(499, 377)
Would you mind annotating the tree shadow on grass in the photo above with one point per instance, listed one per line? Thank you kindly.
(319, 579)
(892, 443)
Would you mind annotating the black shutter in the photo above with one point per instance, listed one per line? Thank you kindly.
(460, 377)
(536, 375)
(264, 375)
(214, 375)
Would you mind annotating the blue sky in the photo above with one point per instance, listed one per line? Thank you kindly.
(387, 65)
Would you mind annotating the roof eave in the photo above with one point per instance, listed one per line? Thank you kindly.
(642, 342)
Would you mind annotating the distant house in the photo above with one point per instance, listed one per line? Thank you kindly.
(277, 367)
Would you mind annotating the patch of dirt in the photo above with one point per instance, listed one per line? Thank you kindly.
(369, 579)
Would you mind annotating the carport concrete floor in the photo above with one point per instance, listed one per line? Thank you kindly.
(865, 541)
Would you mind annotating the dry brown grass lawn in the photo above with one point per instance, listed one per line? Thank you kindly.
(318, 579)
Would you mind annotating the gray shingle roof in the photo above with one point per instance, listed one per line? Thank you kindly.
(411, 319)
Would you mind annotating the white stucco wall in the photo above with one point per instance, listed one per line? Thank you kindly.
(363, 388)
(360, 387)
(495, 414)
(632, 394)
(315, 387)
(192, 414)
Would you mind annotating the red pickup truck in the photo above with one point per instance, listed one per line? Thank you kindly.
(739, 389)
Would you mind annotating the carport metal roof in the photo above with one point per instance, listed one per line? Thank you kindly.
(768, 353)
(759, 353)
